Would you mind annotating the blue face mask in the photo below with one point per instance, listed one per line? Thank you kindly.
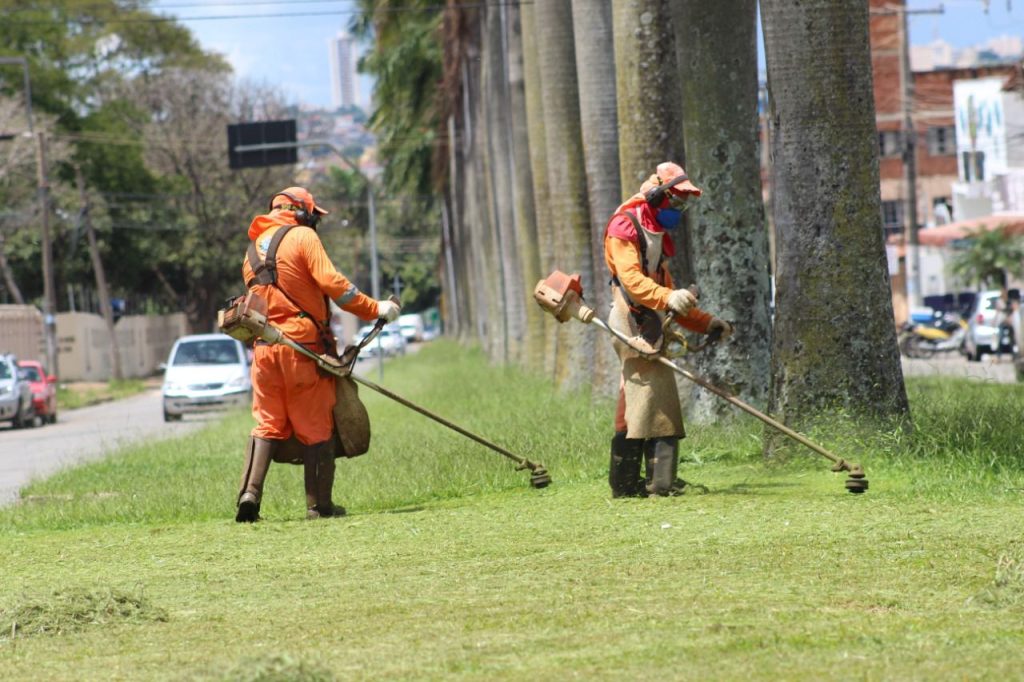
(669, 218)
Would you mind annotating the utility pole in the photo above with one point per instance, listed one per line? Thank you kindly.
(909, 144)
(374, 264)
(49, 299)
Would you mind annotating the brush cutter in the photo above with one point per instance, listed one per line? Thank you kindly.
(562, 296)
(245, 318)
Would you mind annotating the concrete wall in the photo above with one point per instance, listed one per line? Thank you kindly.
(144, 342)
(21, 332)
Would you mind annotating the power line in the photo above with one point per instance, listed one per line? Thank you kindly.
(284, 15)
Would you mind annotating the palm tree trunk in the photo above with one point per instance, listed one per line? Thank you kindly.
(511, 298)
(539, 172)
(566, 176)
(527, 241)
(717, 47)
(490, 320)
(595, 70)
(648, 90)
(835, 340)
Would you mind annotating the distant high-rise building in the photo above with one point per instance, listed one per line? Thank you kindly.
(343, 71)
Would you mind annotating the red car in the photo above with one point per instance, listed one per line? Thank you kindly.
(44, 390)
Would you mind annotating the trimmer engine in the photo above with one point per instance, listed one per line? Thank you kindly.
(562, 296)
(245, 319)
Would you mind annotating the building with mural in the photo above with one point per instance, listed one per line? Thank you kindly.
(990, 147)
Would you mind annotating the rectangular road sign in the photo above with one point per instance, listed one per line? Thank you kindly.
(263, 132)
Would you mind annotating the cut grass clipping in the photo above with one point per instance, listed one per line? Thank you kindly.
(65, 611)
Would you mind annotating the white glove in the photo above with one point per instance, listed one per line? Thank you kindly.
(389, 310)
(719, 323)
(681, 300)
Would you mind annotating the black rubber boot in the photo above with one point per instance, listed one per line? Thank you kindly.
(624, 469)
(257, 462)
(319, 467)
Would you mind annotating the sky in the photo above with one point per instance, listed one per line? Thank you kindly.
(284, 42)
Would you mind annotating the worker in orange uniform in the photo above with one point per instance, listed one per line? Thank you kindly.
(649, 420)
(287, 265)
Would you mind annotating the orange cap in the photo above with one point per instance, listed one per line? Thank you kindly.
(667, 172)
(296, 195)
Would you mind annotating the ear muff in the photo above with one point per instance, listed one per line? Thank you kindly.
(655, 196)
(302, 215)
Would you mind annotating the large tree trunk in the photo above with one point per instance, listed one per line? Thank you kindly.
(101, 277)
(499, 148)
(717, 47)
(8, 273)
(539, 171)
(566, 177)
(595, 70)
(478, 243)
(834, 346)
(648, 91)
(522, 187)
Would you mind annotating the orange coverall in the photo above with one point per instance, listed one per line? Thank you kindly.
(289, 394)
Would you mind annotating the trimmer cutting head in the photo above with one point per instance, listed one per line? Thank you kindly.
(540, 478)
(856, 483)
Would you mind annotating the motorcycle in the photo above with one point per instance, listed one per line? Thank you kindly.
(946, 332)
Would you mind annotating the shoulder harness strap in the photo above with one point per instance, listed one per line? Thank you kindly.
(265, 271)
(636, 310)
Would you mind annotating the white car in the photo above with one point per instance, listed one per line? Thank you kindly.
(412, 327)
(982, 325)
(389, 341)
(205, 372)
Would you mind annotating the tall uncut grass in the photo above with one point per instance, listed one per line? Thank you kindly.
(963, 430)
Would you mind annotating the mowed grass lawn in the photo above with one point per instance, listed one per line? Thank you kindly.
(450, 566)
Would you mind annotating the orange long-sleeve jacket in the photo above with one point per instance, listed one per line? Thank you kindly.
(622, 256)
(306, 274)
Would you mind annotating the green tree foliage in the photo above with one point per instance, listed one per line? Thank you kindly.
(77, 49)
(84, 57)
(406, 62)
(991, 256)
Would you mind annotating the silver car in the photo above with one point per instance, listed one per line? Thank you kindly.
(205, 372)
(15, 394)
(983, 325)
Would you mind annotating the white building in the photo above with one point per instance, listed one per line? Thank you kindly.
(990, 148)
(341, 49)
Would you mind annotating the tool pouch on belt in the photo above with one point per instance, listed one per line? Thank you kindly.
(351, 426)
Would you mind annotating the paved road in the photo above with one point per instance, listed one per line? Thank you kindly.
(81, 435)
(956, 365)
